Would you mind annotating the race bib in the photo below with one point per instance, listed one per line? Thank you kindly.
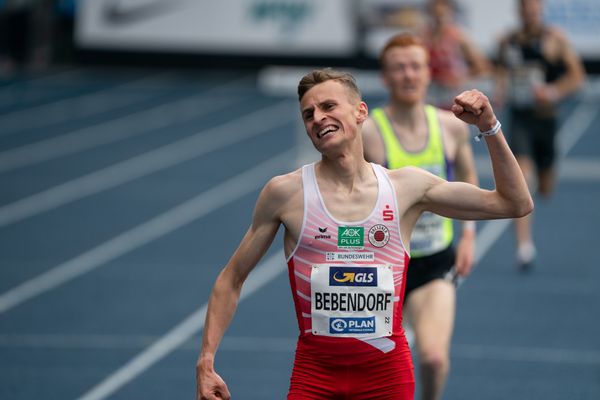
(524, 79)
(352, 300)
(428, 234)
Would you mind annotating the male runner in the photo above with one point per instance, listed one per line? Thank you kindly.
(347, 223)
(406, 131)
(454, 60)
(537, 68)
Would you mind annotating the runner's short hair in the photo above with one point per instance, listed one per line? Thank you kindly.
(403, 39)
(318, 76)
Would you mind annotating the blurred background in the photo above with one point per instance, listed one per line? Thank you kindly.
(50, 33)
(135, 136)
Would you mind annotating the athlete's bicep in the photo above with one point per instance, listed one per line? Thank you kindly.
(476, 60)
(259, 236)
(574, 66)
(461, 200)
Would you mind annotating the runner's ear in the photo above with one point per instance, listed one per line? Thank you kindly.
(363, 112)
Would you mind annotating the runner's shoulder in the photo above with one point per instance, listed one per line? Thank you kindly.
(283, 187)
(409, 176)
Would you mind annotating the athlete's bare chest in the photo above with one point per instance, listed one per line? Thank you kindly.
(355, 206)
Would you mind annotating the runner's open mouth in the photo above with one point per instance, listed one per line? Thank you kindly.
(328, 129)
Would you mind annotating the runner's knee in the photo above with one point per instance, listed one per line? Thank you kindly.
(434, 361)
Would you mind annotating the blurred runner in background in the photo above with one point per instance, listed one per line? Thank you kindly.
(537, 68)
(409, 132)
(453, 58)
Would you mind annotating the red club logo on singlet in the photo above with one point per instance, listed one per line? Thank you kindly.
(388, 214)
(379, 235)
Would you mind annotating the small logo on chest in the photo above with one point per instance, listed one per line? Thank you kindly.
(323, 234)
(388, 214)
(351, 237)
(379, 235)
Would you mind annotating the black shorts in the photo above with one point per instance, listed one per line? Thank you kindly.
(422, 270)
(533, 136)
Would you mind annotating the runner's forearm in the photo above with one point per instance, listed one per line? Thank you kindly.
(509, 179)
(221, 309)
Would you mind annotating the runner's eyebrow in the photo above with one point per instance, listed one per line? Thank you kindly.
(321, 104)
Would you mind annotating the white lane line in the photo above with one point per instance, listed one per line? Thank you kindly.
(177, 336)
(146, 232)
(526, 354)
(58, 341)
(470, 351)
(287, 345)
(121, 128)
(569, 169)
(579, 169)
(77, 106)
(236, 130)
(152, 355)
(250, 344)
(110, 131)
(137, 342)
(575, 126)
(488, 236)
(15, 89)
(465, 351)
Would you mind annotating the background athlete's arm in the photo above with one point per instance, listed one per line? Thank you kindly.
(464, 167)
(226, 291)
(476, 60)
(574, 74)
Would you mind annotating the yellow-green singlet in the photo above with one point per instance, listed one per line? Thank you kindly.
(432, 233)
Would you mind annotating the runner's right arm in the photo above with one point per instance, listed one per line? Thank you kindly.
(226, 291)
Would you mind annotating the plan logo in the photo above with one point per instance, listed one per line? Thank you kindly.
(352, 325)
(352, 276)
(351, 237)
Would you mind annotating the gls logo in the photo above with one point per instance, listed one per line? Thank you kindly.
(352, 276)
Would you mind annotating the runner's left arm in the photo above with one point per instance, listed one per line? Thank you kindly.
(460, 200)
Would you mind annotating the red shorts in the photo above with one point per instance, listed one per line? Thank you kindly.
(380, 376)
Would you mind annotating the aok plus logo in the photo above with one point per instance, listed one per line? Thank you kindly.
(351, 237)
(352, 276)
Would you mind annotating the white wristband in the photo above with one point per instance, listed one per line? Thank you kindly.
(491, 132)
(468, 226)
